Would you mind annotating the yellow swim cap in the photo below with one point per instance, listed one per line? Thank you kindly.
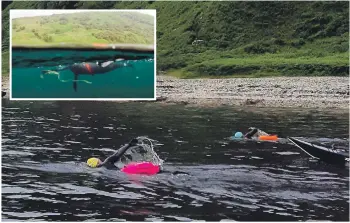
(92, 162)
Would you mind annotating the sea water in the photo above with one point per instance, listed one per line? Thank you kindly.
(133, 82)
(45, 146)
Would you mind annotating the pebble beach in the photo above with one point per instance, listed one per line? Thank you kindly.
(303, 92)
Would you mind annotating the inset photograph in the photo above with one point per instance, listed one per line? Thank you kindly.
(82, 55)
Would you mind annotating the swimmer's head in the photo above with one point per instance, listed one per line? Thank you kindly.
(93, 162)
(238, 135)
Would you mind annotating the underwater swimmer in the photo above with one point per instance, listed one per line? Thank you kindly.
(88, 68)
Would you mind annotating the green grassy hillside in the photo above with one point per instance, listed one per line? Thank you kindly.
(85, 27)
(240, 38)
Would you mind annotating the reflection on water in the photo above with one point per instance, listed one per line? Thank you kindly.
(45, 146)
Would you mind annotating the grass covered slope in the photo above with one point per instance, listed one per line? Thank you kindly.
(197, 39)
(254, 38)
(321, 57)
(85, 28)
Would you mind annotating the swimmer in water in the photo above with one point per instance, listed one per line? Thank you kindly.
(88, 68)
(110, 162)
(95, 162)
(252, 133)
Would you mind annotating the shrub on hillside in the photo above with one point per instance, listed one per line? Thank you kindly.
(47, 38)
(35, 32)
(260, 48)
(282, 69)
(297, 43)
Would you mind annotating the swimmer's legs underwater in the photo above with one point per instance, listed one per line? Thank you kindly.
(54, 72)
(75, 86)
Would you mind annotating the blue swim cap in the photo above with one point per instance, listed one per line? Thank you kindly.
(238, 135)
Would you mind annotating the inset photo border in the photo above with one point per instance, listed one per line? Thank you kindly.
(83, 55)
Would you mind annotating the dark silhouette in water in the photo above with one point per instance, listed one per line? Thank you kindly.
(3, 93)
(135, 142)
(89, 69)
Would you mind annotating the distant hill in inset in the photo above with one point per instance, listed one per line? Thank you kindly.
(85, 28)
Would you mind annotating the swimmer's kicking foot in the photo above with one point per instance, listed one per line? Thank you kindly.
(48, 72)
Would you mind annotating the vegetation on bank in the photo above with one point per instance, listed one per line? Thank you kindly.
(219, 39)
(315, 59)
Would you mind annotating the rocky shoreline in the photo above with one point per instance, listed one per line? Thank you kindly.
(303, 92)
(5, 82)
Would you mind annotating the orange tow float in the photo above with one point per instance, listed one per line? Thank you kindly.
(268, 138)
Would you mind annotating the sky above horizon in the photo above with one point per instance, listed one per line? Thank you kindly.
(18, 13)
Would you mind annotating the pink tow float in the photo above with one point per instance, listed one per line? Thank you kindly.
(146, 168)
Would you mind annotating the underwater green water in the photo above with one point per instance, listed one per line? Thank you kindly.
(126, 82)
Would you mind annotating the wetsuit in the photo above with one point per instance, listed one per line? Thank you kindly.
(117, 155)
(254, 132)
(89, 69)
(94, 68)
(251, 133)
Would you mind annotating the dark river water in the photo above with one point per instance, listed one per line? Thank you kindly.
(45, 146)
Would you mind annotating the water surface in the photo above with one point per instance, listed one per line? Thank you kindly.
(45, 146)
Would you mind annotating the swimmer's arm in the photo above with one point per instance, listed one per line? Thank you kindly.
(116, 64)
(116, 156)
(250, 134)
(262, 133)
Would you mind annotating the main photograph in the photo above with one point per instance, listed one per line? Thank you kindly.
(250, 120)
